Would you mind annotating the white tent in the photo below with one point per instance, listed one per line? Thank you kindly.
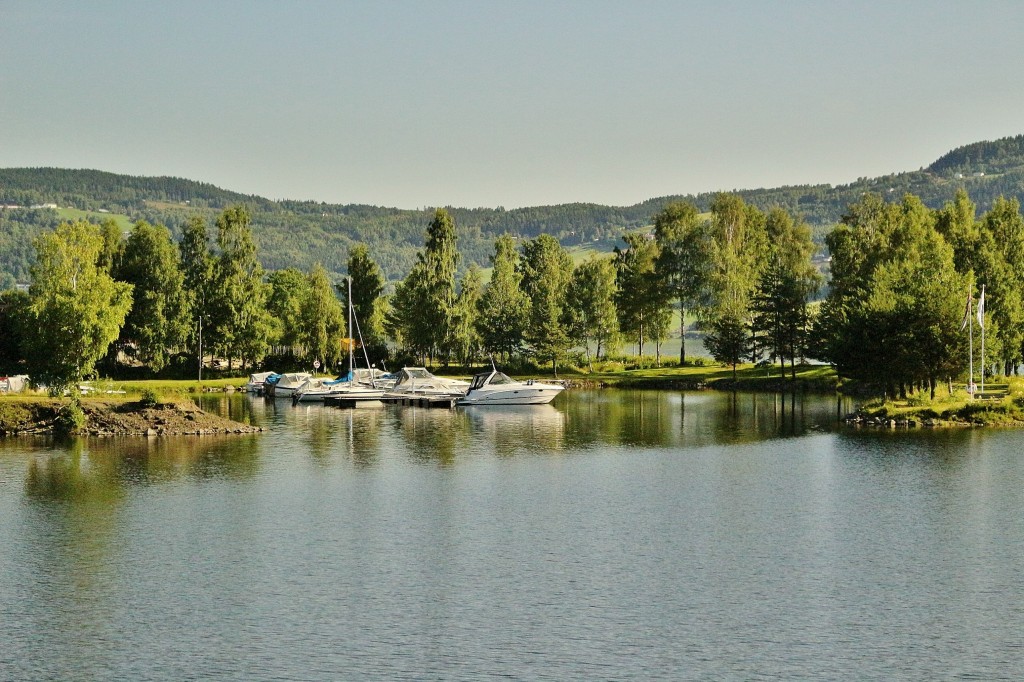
(15, 384)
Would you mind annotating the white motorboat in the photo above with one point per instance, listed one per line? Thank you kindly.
(255, 384)
(495, 388)
(285, 385)
(417, 382)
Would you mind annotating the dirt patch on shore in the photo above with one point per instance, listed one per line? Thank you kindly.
(111, 418)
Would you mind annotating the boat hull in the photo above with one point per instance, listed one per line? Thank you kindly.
(322, 396)
(519, 396)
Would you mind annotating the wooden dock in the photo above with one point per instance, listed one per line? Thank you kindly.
(446, 401)
(335, 401)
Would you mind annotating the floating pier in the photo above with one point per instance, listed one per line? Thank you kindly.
(446, 401)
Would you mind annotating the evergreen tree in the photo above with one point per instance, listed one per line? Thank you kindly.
(441, 260)
(406, 323)
(367, 289)
(784, 287)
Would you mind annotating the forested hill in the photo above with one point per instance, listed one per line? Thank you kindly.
(300, 233)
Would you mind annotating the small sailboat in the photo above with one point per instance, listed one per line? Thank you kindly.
(359, 385)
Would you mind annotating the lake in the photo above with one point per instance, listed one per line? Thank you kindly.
(612, 535)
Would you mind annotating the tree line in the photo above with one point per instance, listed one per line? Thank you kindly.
(303, 233)
(900, 275)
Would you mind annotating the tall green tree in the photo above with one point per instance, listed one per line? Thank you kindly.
(590, 312)
(892, 318)
(546, 271)
(14, 307)
(640, 298)
(76, 308)
(784, 288)
(405, 323)
(197, 272)
(113, 244)
(465, 336)
(367, 289)
(323, 320)
(440, 258)
(739, 242)
(999, 266)
(157, 324)
(684, 259)
(241, 324)
(957, 224)
(289, 289)
(504, 308)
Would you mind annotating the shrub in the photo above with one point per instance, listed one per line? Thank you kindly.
(149, 398)
(70, 418)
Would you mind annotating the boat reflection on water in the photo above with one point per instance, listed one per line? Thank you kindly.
(516, 427)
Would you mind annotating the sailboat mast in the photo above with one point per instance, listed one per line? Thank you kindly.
(970, 347)
(351, 341)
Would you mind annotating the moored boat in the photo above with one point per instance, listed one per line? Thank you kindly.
(496, 388)
(360, 384)
(418, 383)
(256, 381)
(285, 384)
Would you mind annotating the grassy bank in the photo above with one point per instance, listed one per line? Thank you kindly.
(748, 377)
(1002, 404)
(110, 415)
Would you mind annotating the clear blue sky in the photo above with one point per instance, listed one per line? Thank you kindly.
(508, 103)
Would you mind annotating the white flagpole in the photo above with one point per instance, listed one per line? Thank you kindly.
(970, 322)
(981, 323)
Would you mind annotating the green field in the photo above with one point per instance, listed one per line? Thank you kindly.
(73, 214)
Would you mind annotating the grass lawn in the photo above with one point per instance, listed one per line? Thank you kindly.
(73, 214)
(1002, 403)
(747, 375)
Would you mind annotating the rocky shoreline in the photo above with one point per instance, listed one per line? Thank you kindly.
(111, 418)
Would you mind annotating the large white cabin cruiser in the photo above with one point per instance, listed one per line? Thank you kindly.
(495, 388)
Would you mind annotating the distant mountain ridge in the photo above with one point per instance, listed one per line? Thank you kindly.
(300, 233)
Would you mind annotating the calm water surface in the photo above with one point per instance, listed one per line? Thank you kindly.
(612, 535)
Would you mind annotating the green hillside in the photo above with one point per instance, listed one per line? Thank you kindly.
(301, 233)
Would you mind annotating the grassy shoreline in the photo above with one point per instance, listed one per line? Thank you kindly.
(1003, 404)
